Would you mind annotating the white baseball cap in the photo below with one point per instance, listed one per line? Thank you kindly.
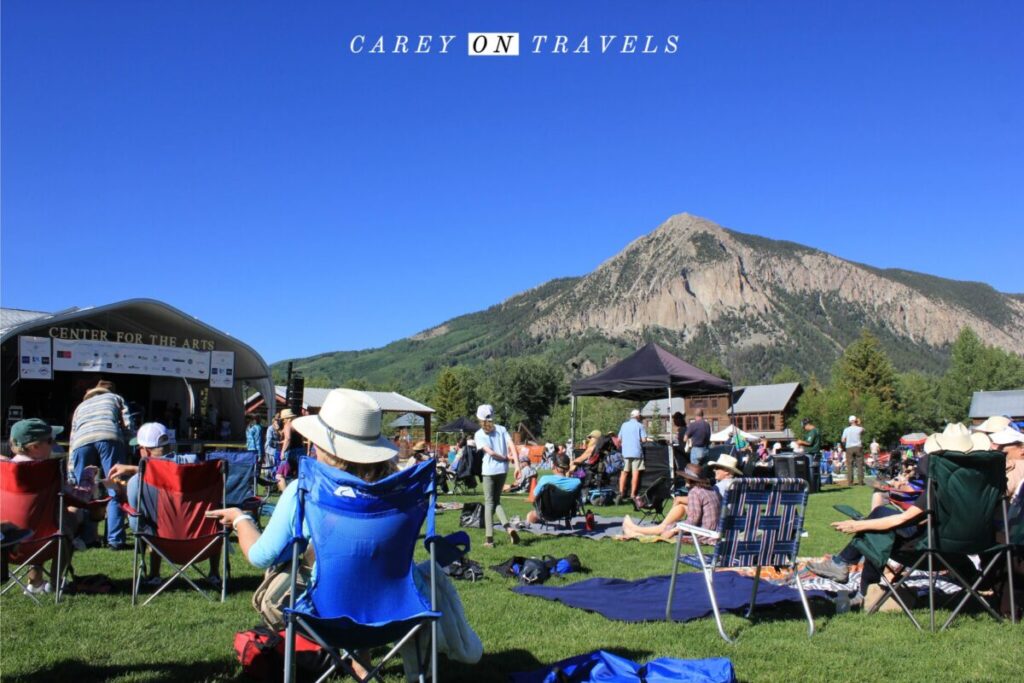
(485, 412)
(853, 418)
(152, 435)
(634, 413)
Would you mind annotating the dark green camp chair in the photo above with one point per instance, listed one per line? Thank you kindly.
(964, 493)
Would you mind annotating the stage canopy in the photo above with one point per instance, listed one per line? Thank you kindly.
(648, 374)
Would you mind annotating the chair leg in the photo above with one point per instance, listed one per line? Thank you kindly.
(803, 600)
(931, 590)
(672, 581)
(970, 591)
(136, 574)
(709, 580)
(224, 567)
(753, 593)
(891, 589)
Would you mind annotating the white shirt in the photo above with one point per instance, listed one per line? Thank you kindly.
(852, 436)
(498, 441)
(874, 448)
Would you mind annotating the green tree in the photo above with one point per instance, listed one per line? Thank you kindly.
(864, 369)
(786, 374)
(448, 397)
(974, 366)
(919, 395)
(592, 412)
(357, 383)
(521, 389)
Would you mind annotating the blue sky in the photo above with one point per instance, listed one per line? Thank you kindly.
(236, 160)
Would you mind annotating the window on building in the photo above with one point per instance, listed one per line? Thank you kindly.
(714, 403)
(714, 425)
(753, 423)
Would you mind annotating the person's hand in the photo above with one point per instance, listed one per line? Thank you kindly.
(226, 516)
(848, 526)
(119, 471)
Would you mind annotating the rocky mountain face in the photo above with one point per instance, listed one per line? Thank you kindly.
(708, 292)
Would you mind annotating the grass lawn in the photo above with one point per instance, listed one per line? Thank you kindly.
(182, 637)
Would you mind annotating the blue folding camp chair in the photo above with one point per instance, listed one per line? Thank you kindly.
(361, 593)
(760, 525)
(241, 478)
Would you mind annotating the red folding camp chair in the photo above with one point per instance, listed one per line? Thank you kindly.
(171, 511)
(32, 497)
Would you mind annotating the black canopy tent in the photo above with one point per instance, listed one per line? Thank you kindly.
(650, 373)
(461, 424)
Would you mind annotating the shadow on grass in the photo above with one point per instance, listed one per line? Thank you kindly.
(86, 672)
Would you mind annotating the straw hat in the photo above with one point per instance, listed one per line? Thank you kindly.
(288, 414)
(596, 434)
(996, 423)
(419, 447)
(954, 437)
(727, 462)
(348, 427)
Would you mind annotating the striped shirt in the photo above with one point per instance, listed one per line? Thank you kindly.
(99, 418)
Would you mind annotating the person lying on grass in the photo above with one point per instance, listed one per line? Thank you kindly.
(700, 507)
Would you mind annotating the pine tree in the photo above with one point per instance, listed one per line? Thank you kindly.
(865, 370)
(449, 397)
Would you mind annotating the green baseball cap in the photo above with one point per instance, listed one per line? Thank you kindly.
(29, 431)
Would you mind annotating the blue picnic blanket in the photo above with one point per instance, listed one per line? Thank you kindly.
(610, 668)
(644, 599)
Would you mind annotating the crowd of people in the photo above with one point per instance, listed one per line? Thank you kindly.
(346, 435)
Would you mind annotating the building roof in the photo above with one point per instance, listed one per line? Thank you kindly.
(13, 317)
(988, 403)
(389, 401)
(765, 398)
(661, 405)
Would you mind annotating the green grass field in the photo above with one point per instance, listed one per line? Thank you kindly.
(182, 637)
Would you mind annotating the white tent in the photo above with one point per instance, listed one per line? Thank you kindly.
(726, 434)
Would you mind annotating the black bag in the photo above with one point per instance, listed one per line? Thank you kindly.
(472, 515)
(511, 567)
(465, 569)
(535, 571)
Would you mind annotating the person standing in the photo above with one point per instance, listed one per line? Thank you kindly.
(292, 447)
(812, 447)
(494, 442)
(853, 441)
(632, 434)
(98, 428)
(254, 436)
(272, 443)
(699, 434)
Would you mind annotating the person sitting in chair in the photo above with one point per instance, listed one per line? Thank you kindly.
(351, 442)
(525, 474)
(701, 507)
(153, 441)
(558, 479)
(726, 469)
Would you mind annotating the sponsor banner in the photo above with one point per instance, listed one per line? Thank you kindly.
(222, 369)
(35, 358)
(129, 359)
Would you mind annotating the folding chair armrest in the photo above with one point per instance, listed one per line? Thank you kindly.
(87, 504)
(700, 531)
(129, 510)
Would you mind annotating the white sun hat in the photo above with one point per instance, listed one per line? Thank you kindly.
(348, 427)
(1007, 436)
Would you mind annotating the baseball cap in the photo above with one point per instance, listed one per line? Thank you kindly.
(634, 413)
(485, 412)
(152, 435)
(29, 431)
(853, 418)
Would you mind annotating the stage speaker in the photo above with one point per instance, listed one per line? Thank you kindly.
(295, 390)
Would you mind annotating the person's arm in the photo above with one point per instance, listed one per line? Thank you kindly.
(263, 550)
(587, 452)
(121, 471)
(856, 526)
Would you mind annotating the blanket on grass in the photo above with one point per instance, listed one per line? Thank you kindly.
(644, 599)
(604, 527)
(608, 667)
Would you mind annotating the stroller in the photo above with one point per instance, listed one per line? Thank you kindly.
(596, 472)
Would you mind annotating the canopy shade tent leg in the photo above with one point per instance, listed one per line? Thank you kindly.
(671, 450)
(572, 421)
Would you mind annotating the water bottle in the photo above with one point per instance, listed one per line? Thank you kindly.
(842, 602)
(589, 522)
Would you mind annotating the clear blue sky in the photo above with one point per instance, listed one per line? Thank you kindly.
(237, 161)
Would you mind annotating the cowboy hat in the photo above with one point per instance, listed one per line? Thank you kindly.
(996, 423)
(980, 442)
(419, 447)
(348, 427)
(694, 472)
(727, 462)
(288, 414)
(954, 437)
(1007, 436)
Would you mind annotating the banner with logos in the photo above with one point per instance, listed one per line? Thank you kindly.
(222, 369)
(129, 359)
(35, 358)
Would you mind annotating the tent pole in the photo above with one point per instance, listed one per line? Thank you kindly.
(671, 450)
(572, 422)
(732, 421)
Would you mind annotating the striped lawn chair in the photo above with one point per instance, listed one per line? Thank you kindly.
(760, 525)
